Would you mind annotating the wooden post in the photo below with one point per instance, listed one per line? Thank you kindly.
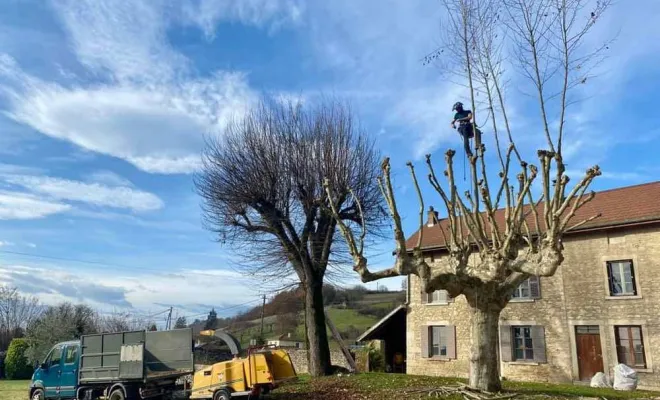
(344, 349)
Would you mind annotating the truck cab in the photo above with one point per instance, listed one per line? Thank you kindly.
(57, 376)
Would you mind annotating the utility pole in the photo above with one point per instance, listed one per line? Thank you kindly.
(263, 307)
(168, 324)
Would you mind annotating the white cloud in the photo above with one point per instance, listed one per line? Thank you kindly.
(24, 206)
(94, 193)
(151, 110)
(5, 243)
(208, 13)
(158, 129)
(184, 288)
(108, 178)
(123, 39)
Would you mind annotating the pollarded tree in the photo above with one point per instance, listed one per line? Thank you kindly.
(262, 190)
(499, 235)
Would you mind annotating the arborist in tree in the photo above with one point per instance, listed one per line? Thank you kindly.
(463, 117)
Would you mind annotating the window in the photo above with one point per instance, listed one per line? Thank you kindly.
(621, 278)
(55, 356)
(438, 342)
(630, 346)
(437, 297)
(71, 354)
(528, 289)
(523, 343)
(523, 349)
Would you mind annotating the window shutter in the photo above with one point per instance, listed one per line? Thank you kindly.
(538, 343)
(441, 296)
(610, 283)
(450, 334)
(425, 340)
(632, 277)
(505, 343)
(534, 287)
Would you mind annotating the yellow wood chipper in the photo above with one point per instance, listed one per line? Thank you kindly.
(259, 372)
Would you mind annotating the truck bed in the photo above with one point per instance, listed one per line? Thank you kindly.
(136, 356)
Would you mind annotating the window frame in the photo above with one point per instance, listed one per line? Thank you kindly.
(448, 339)
(631, 347)
(431, 302)
(525, 349)
(76, 350)
(533, 287)
(518, 290)
(637, 270)
(57, 348)
(441, 338)
(621, 270)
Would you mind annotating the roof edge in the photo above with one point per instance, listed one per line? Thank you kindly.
(596, 228)
(380, 322)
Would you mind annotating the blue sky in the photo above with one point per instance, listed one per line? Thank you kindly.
(105, 105)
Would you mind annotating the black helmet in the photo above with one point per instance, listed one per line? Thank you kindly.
(457, 105)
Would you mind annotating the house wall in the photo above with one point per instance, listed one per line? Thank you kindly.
(576, 295)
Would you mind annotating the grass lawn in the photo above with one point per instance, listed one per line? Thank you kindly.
(372, 386)
(13, 390)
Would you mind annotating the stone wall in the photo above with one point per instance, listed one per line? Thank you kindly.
(299, 359)
(576, 295)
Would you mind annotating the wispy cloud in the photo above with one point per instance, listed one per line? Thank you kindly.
(25, 206)
(128, 289)
(89, 193)
(109, 178)
(208, 13)
(148, 105)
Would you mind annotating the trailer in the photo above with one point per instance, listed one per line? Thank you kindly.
(118, 366)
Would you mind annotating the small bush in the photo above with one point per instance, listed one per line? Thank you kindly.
(376, 360)
(16, 362)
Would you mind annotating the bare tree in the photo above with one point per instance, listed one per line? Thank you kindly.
(489, 249)
(262, 188)
(16, 312)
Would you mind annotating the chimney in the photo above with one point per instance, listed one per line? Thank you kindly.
(433, 217)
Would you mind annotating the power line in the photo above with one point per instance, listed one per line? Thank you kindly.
(222, 309)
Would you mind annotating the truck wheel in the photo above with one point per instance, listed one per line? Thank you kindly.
(117, 394)
(38, 394)
(222, 394)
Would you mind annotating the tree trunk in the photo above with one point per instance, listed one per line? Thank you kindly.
(318, 352)
(484, 357)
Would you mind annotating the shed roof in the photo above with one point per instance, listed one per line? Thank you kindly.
(366, 335)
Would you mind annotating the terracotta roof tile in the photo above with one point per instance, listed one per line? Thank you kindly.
(621, 206)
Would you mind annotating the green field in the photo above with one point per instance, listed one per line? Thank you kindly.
(13, 390)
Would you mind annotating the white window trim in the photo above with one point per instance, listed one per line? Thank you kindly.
(645, 341)
(618, 257)
(522, 300)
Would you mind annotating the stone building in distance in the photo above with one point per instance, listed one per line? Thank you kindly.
(601, 308)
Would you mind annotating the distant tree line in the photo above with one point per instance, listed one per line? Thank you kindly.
(29, 329)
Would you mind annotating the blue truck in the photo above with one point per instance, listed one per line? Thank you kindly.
(128, 365)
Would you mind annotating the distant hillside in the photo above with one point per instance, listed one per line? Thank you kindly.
(352, 310)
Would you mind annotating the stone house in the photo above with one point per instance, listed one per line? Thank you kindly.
(601, 308)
